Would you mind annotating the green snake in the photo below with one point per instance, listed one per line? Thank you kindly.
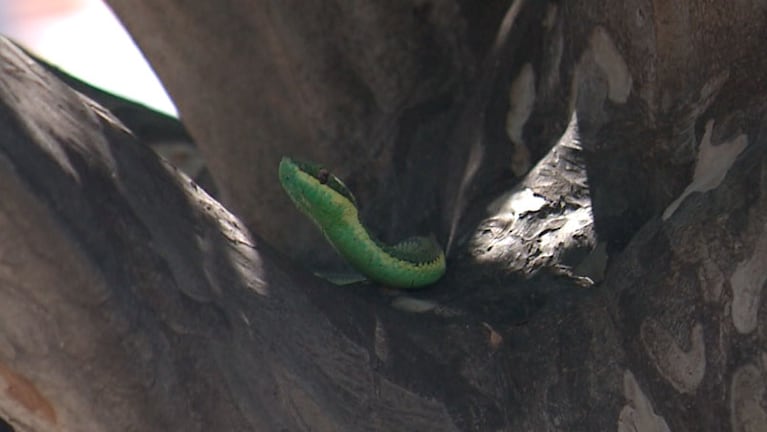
(412, 263)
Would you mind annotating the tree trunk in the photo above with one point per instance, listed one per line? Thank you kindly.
(594, 168)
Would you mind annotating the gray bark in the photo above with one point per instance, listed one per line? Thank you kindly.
(596, 167)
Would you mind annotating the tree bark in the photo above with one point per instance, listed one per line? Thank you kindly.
(597, 175)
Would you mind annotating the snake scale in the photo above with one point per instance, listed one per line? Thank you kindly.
(316, 192)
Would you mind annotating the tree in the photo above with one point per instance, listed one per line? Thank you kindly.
(596, 169)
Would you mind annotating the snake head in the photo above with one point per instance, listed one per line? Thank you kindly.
(314, 189)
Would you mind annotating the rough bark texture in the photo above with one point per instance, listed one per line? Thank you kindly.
(597, 169)
(333, 81)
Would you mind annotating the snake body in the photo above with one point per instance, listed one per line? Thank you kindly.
(412, 263)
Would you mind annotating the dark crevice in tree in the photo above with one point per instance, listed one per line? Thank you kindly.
(5, 427)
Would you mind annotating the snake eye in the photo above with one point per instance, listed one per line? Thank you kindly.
(323, 175)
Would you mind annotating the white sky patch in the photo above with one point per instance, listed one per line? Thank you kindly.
(91, 44)
(711, 166)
